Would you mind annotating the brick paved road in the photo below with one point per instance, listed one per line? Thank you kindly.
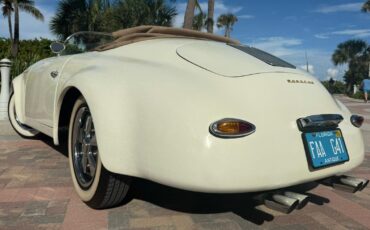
(36, 192)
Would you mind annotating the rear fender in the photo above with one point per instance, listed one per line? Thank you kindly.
(102, 102)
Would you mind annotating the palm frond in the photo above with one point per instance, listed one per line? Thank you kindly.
(199, 21)
(197, 5)
(31, 10)
(350, 50)
(7, 7)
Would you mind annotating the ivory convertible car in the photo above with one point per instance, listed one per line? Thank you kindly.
(186, 109)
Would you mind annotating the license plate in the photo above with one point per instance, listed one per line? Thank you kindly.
(326, 148)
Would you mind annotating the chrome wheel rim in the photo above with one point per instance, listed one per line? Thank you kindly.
(84, 147)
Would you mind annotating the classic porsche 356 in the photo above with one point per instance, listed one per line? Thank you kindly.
(186, 109)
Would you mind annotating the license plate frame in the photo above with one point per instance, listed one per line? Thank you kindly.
(313, 148)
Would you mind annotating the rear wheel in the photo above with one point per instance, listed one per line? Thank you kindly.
(22, 129)
(95, 185)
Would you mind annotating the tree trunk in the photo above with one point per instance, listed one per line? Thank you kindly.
(350, 89)
(15, 46)
(189, 14)
(10, 26)
(211, 12)
(227, 31)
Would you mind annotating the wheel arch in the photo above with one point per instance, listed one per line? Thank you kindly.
(108, 99)
(65, 107)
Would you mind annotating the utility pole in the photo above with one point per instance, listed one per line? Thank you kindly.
(306, 62)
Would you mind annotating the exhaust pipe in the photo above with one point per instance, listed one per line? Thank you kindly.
(365, 182)
(281, 203)
(355, 184)
(347, 183)
(302, 199)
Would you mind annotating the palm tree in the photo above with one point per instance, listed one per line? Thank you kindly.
(366, 6)
(227, 21)
(189, 13)
(158, 13)
(130, 13)
(211, 11)
(7, 9)
(94, 9)
(355, 53)
(349, 51)
(94, 15)
(75, 15)
(27, 6)
(199, 21)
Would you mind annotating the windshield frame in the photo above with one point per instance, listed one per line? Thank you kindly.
(86, 34)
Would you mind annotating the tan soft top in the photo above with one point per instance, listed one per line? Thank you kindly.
(142, 33)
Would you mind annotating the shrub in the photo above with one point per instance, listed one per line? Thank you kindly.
(30, 51)
(337, 88)
(358, 95)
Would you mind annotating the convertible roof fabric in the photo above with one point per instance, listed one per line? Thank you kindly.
(142, 33)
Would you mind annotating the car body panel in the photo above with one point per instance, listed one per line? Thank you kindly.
(212, 56)
(41, 90)
(152, 111)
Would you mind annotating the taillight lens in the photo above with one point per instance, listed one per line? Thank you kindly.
(231, 128)
(357, 120)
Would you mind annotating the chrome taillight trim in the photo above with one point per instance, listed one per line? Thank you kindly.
(215, 132)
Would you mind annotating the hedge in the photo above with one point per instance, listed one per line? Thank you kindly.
(30, 51)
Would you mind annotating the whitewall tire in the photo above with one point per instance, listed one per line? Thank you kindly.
(95, 185)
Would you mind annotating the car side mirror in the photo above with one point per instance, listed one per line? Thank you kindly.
(57, 47)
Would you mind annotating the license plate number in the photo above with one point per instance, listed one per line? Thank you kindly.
(326, 148)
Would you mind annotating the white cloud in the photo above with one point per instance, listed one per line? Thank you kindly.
(349, 7)
(321, 36)
(221, 8)
(332, 73)
(278, 46)
(357, 33)
(245, 16)
(293, 50)
(310, 68)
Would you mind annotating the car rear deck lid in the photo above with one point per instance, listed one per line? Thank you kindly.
(229, 61)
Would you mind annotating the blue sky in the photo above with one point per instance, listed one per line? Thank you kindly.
(286, 28)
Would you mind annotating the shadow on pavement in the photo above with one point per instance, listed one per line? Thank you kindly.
(62, 149)
(178, 200)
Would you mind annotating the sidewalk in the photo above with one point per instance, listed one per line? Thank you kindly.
(36, 193)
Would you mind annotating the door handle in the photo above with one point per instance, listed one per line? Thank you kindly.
(54, 74)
